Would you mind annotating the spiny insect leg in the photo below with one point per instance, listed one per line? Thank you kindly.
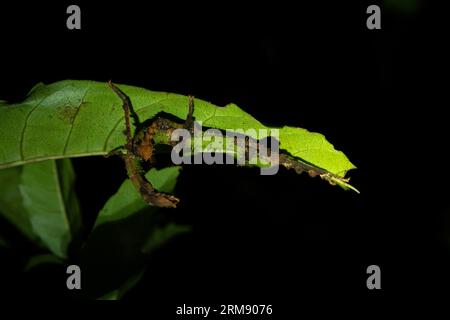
(126, 108)
(190, 116)
(132, 160)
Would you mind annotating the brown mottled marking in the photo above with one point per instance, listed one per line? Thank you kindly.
(312, 173)
(66, 113)
(143, 146)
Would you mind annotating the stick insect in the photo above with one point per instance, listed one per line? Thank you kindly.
(140, 147)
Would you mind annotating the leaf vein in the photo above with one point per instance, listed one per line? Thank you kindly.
(22, 136)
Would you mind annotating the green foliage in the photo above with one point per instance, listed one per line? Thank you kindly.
(132, 230)
(82, 118)
(11, 202)
(85, 118)
(40, 259)
(127, 201)
(48, 196)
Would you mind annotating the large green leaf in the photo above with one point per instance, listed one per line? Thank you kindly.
(81, 118)
(42, 259)
(47, 189)
(127, 201)
(118, 294)
(132, 230)
(162, 235)
(11, 202)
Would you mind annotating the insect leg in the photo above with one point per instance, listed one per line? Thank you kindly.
(133, 160)
(119, 151)
(190, 116)
(126, 108)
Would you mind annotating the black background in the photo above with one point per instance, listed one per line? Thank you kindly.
(378, 95)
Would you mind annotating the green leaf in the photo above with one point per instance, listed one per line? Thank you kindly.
(41, 259)
(127, 201)
(127, 230)
(124, 288)
(113, 295)
(315, 149)
(162, 235)
(82, 118)
(47, 189)
(11, 202)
